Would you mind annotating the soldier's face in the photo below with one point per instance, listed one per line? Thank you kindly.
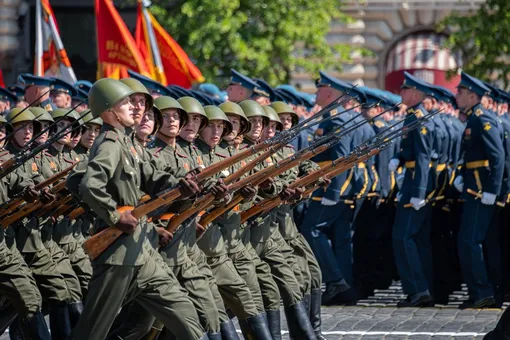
(80, 108)
(237, 93)
(171, 123)
(21, 104)
(326, 95)
(43, 137)
(286, 119)
(124, 110)
(24, 132)
(5, 106)
(62, 125)
(189, 132)
(428, 103)
(89, 135)
(211, 134)
(262, 100)
(146, 125)
(139, 102)
(464, 97)
(269, 130)
(74, 140)
(257, 124)
(61, 99)
(236, 127)
(411, 97)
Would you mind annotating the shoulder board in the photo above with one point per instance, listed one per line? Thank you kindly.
(194, 146)
(418, 113)
(290, 146)
(379, 124)
(111, 135)
(181, 154)
(47, 152)
(37, 156)
(478, 112)
(242, 147)
(4, 153)
(67, 160)
(155, 152)
(222, 155)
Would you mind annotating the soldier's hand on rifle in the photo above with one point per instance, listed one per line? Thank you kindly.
(47, 196)
(200, 229)
(287, 194)
(127, 222)
(299, 194)
(188, 186)
(164, 236)
(325, 182)
(30, 194)
(248, 192)
(219, 190)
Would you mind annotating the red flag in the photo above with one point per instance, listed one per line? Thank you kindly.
(117, 50)
(2, 84)
(177, 67)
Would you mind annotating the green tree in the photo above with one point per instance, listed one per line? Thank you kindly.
(266, 39)
(482, 38)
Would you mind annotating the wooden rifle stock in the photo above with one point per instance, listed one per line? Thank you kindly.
(203, 202)
(15, 202)
(77, 212)
(28, 208)
(98, 243)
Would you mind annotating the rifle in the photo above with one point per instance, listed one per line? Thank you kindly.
(17, 199)
(215, 213)
(28, 208)
(98, 243)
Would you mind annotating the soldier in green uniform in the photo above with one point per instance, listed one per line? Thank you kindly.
(49, 279)
(125, 271)
(310, 269)
(16, 281)
(232, 287)
(267, 249)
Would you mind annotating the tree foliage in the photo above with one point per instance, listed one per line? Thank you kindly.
(482, 38)
(266, 39)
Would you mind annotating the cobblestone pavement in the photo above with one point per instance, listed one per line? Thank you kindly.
(378, 318)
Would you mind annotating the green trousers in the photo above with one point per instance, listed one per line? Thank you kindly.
(80, 263)
(66, 269)
(17, 283)
(152, 287)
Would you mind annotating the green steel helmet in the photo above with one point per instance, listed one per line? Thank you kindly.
(231, 108)
(89, 119)
(215, 113)
(253, 109)
(165, 102)
(191, 105)
(68, 113)
(41, 114)
(273, 116)
(138, 87)
(282, 107)
(105, 93)
(17, 116)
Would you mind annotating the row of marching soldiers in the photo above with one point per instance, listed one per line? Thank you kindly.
(70, 174)
(226, 244)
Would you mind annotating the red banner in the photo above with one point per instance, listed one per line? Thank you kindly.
(116, 46)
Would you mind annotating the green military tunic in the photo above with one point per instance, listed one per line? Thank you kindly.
(117, 176)
(16, 280)
(50, 281)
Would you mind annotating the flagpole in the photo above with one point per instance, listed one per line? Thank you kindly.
(156, 56)
(38, 66)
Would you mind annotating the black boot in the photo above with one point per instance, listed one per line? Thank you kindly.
(34, 327)
(255, 328)
(75, 310)
(228, 331)
(15, 330)
(7, 317)
(307, 298)
(298, 322)
(315, 313)
(60, 322)
(502, 330)
(214, 336)
(274, 324)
